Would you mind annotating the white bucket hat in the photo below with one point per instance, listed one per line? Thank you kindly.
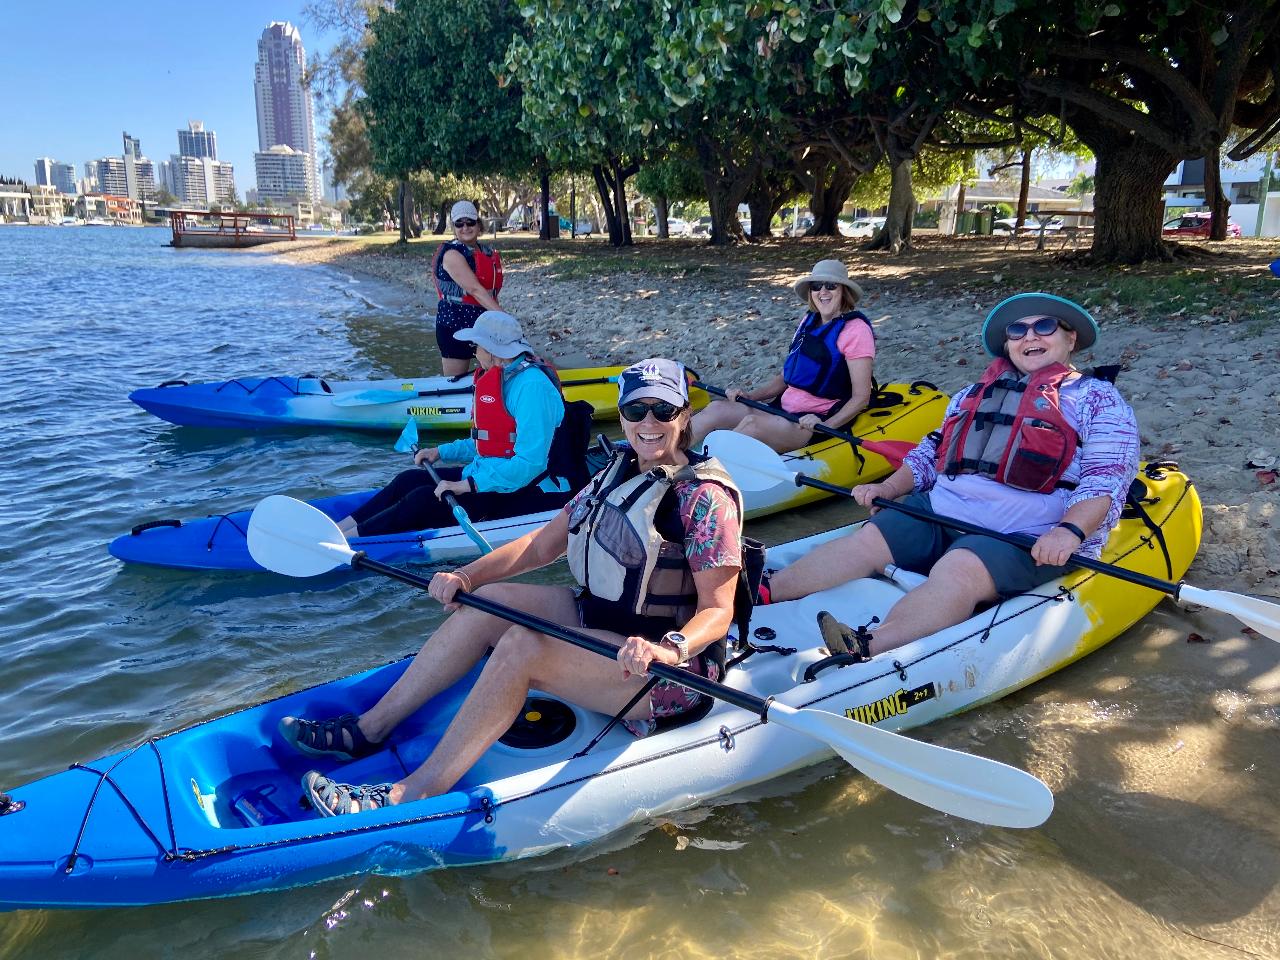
(464, 208)
(826, 271)
(497, 332)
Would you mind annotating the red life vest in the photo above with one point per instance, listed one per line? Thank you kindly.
(495, 428)
(1011, 428)
(485, 263)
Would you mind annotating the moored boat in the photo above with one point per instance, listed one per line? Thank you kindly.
(212, 810)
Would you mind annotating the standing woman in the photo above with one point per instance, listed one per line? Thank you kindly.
(468, 277)
(826, 377)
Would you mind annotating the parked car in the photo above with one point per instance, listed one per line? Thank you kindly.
(1006, 224)
(701, 227)
(1195, 225)
(800, 226)
(862, 227)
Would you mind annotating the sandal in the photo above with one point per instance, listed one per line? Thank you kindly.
(328, 738)
(331, 798)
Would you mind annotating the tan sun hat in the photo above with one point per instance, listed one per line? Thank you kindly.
(826, 271)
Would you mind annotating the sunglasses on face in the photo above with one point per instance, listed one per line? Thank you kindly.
(815, 287)
(465, 222)
(662, 411)
(1043, 327)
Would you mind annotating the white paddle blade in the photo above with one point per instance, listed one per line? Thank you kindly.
(752, 464)
(961, 784)
(294, 538)
(1262, 615)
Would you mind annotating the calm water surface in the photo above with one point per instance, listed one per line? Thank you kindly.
(1164, 757)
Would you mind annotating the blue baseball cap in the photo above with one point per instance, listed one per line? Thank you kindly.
(1023, 305)
(655, 379)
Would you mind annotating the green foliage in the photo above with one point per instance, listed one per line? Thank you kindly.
(1082, 184)
(676, 178)
(433, 100)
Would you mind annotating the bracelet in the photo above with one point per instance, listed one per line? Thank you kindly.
(466, 580)
(1074, 529)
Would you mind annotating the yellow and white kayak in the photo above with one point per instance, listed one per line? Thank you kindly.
(900, 411)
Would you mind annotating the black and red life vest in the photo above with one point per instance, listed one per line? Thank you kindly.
(1011, 428)
(485, 263)
(495, 427)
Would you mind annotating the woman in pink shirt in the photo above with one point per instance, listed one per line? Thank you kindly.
(826, 377)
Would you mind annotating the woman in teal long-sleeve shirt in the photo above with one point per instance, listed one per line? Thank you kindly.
(518, 406)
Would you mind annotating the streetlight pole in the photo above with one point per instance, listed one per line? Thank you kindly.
(1264, 186)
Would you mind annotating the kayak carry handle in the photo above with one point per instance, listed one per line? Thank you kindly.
(144, 527)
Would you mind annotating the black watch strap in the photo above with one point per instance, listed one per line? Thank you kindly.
(1074, 529)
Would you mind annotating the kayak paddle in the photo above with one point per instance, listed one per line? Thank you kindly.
(371, 398)
(293, 538)
(407, 442)
(460, 514)
(755, 466)
(891, 450)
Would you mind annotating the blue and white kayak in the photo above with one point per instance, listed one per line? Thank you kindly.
(264, 402)
(218, 542)
(213, 811)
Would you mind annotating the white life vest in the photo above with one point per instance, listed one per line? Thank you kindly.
(616, 551)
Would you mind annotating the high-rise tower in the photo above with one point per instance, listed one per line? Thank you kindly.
(284, 104)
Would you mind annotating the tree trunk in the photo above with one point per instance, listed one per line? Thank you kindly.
(1128, 198)
(604, 189)
(763, 203)
(827, 200)
(1024, 188)
(442, 218)
(1214, 197)
(660, 212)
(896, 235)
(620, 175)
(550, 227)
(726, 184)
(405, 209)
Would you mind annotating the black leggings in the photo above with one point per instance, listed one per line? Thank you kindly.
(409, 503)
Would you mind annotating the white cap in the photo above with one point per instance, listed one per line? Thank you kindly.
(464, 208)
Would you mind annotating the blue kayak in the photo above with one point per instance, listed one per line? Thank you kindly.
(218, 542)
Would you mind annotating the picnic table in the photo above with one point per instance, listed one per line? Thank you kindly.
(1071, 233)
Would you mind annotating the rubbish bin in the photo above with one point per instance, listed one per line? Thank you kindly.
(966, 221)
(983, 222)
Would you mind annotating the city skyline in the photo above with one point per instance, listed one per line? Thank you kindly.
(152, 93)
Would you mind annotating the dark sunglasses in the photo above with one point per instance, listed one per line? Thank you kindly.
(465, 222)
(662, 411)
(1043, 326)
(825, 285)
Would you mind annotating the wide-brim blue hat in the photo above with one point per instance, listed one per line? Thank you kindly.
(1023, 305)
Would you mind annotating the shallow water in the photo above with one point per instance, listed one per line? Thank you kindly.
(1164, 756)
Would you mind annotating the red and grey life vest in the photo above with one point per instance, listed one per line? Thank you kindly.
(1011, 428)
(814, 362)
(495, 428)
(617, 549)
(484, 262)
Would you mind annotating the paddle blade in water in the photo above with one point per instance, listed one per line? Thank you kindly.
(408, 441)
(752, 464)
(294, 538)
(1262, 615)
(958, 783)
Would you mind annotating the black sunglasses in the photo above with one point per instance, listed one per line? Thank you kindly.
(825, 285)
(465, 222)
(663, 411)
(1043, 326)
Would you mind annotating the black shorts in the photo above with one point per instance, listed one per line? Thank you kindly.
(917, 545)
(450, 318)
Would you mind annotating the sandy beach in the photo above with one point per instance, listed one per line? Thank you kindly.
(1203, 377)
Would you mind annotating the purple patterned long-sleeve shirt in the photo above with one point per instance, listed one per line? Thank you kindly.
(1104, 465)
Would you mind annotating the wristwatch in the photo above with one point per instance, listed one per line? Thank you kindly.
(677, 640)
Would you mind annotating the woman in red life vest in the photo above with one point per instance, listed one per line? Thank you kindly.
(654, 540)
(468, 277)
(826, 377)
(1032, 447)
(506, 472)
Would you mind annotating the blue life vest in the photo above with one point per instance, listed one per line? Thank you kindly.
(814, 363)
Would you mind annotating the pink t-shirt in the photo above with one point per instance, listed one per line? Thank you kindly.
(855, 341)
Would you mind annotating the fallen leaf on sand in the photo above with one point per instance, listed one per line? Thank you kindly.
(1266, 477)
(1196, 638)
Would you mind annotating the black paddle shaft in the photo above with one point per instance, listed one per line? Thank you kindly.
(449, 498)
(1017, 539)
(710, 688)
(778, 411)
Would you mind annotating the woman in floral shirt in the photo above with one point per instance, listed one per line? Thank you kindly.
(655, 543)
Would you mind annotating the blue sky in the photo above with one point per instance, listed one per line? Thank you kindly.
(75, 74)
